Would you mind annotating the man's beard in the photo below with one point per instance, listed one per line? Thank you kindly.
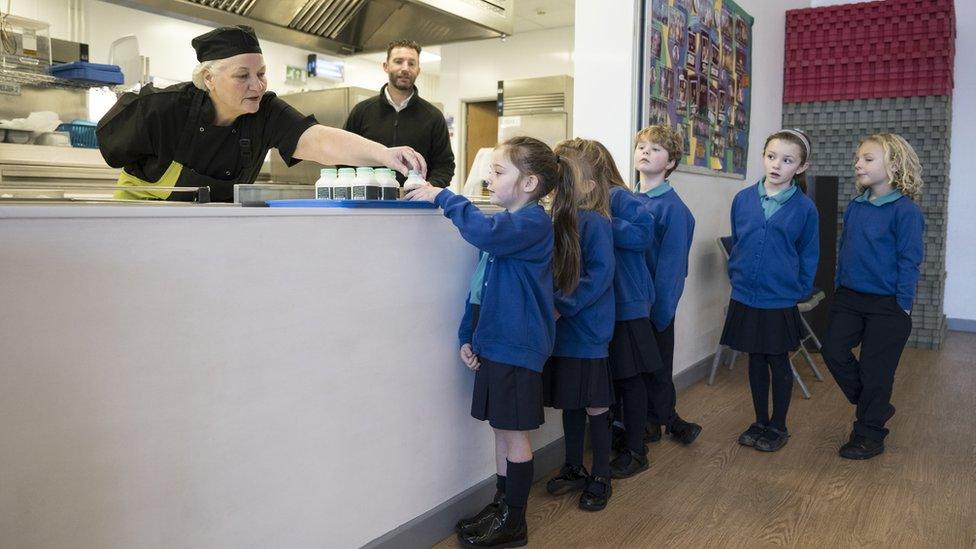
(393, 82)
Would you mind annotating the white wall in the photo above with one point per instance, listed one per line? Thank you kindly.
(960, 291)
(471, 70)
(604, 55)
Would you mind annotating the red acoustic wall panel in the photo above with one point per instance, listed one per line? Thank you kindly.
(891, 48)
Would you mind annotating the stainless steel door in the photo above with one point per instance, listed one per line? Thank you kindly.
(330, 107)
(548, 128)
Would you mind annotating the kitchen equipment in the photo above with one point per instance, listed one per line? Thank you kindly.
(20, 137)
(26, 44)
(124, 52)
(331, 108)
(540, 107)
(347, 26)
(56, 139)
(258, 192)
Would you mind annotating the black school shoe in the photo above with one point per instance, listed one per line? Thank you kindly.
(618, 439)
(683, 431)
(596, 494)
(506, 528)
(771, 440)
(476, 522)
(861, 447)
(628, 464)
(652, 433)
(752, 435)
(890, 414)
(569, 479)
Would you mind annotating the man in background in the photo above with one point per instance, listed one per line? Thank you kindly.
(399, 116)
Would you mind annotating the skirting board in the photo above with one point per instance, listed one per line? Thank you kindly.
(961, 324)
(438, 523)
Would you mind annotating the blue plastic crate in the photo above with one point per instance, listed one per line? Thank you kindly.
(89, 72)
(317, 203)
(82, 133)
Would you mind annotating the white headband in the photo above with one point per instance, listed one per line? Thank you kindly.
(803, 139)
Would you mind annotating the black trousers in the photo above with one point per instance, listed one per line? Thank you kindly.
(882, 328)
(661, 397)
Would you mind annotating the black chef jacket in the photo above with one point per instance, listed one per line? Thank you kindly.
(166, 137)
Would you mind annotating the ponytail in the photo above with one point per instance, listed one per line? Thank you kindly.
(559, 172)
(567, 255)
(801, 181)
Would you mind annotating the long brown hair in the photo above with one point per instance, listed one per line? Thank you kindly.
(596, 165)
(560, 173)
(801, 140)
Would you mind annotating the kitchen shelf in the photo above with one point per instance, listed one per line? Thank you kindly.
(30, 78)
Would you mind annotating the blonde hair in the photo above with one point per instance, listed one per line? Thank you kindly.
(900, 161)
(668, 138)
(213, 67)
(584, 153)
(603, 170)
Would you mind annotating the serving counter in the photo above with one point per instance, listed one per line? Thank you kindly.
(217, 376)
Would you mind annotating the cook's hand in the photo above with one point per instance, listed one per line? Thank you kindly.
(557, 314)
(426, 192)
(469, 358)
(403, 159)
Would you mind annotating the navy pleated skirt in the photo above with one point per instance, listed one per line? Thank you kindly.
(633, 349)
(767, 331)
(573, 383)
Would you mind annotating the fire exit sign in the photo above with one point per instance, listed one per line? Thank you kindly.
(295, 75)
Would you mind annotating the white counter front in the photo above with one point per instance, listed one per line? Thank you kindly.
(231, 377)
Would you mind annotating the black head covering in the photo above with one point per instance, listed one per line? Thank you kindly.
(224, 42)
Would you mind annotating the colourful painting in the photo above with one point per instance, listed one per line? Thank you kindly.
(697, 63)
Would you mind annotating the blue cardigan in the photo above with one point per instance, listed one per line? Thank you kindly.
(667, 259)
(633, 233)
(881, 249)
(516, 323)
(585, 325)
(773, 261)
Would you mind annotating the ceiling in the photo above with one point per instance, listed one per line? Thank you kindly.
(532, 15)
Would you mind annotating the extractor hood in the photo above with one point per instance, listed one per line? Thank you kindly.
(346, 26)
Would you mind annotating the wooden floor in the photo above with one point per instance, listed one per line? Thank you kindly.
(920, 493)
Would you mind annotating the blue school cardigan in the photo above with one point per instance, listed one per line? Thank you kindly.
(516, 322)
(667, 259)
(633, 233)
(773, 261)
(881, 247)
(585, 325)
